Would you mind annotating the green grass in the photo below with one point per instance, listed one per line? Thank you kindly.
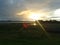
(30, 42)
(12, 40)
(9, 36)
(55, 40)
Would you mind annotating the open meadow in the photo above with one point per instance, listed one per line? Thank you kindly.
(15, 34)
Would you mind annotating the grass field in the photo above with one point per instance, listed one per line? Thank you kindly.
(55, 41)
(15, 34)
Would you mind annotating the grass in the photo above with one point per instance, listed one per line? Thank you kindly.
(55, 40)
(9, 36)
(30, 42)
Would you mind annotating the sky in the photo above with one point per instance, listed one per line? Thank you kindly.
(9, 8)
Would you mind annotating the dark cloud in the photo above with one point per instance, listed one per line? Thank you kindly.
(54, 4)
(8, 10)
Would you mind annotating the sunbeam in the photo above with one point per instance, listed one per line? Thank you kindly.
(43, 29)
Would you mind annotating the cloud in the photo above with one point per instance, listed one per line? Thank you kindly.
(9, 8)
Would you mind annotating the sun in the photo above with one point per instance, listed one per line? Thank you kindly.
(34, 16)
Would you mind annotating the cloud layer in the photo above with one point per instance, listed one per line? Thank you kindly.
(9, 8)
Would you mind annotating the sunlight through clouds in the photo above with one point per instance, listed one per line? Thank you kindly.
(11, 9)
